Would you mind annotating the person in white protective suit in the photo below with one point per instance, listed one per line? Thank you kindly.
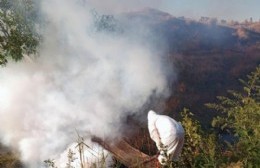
(168, 135)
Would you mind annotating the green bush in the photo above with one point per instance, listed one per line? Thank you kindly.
(241, 119)
(200, 148)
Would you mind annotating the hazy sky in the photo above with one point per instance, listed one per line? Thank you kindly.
(226, 9)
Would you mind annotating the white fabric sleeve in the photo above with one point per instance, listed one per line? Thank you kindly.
(154, 134)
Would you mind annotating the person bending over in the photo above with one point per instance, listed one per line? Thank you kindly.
(168, 135)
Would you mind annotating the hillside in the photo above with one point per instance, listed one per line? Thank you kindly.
(208, 58)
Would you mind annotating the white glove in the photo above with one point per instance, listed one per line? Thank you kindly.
(162, 159)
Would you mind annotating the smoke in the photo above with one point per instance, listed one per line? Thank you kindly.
(83, 79)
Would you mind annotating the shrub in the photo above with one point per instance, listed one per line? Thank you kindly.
(200, 148)
(241, 119)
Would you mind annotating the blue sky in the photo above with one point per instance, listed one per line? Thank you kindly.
(226, 9)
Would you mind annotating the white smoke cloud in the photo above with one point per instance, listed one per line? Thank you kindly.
(95, 156)
(83, 80)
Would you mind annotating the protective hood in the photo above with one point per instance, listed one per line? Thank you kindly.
(152, 117)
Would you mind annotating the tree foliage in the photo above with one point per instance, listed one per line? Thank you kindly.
(241, 119)
(17, 29)
(200, 148)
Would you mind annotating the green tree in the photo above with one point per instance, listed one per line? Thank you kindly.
(17, 29)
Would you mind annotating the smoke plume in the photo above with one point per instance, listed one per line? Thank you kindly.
(83, 79)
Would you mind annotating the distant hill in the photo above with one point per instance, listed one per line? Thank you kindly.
(209, 58)
(255, 27)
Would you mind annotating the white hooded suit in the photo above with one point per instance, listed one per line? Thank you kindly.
(166, 132)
